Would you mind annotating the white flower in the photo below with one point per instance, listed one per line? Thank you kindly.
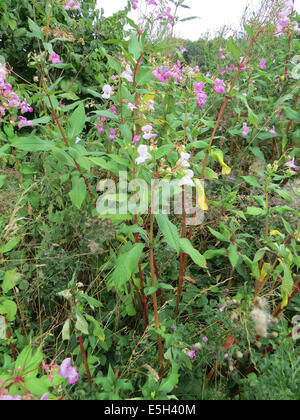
(143, 154)
(107, 91)
(147, 130)
(184, 160)
(131, 106)
(150, 106)
(187, 179)
(127, 74)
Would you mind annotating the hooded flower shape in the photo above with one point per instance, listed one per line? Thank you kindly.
(68, 372)
(291, 164)
(127, 74)
(55, 58)
(143, 154)
(187, 179)
(147, 130)
(191, 354)
(184, 160)
(107, 91)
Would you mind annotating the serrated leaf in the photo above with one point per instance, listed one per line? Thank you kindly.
(188, 248)
(169, 230)
(78, 192)
(81, 324)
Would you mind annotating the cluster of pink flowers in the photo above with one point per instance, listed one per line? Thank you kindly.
(72, 5)
(9, 99)
(164, 73)
(284, 18)
(201, 95)
(230, 69)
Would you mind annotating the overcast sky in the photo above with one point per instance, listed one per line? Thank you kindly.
(213, 14)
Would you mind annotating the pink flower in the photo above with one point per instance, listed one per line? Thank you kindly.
(135, 4)
(245, 130)
(113, 109)
(24, 123)
(262, 64)
(191, 354)
(219, 86)
(273, 131)
(201, 95)
(291, 164)
(205, 339)
(55, 58)
(112, 135)
(72, 5)
(100, 128)
(16, 397)
(136, 139)
(68, 372)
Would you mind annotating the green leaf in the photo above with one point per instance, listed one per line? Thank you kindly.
(134, 46)
(292, 114)
(33, 144)
(35, 29)
(126, 265)
(249, 31)
(77, 122)
(98, 331)
(251, 180)
(63, 157)
(37, 386)
(2, 180)
(9, 308)
(40, 121)
(234, 49)
(10, 245)
(81, 324)
(2, 328)
(169, 230)
(11, 279)
(287, 285)
(212, 253)
(66, 330)
(233, 255)
(218, 235)
(188, 248)
(78, 192)
(255, 211)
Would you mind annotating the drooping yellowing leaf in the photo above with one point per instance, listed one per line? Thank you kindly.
(201, 198)
(218, 155)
